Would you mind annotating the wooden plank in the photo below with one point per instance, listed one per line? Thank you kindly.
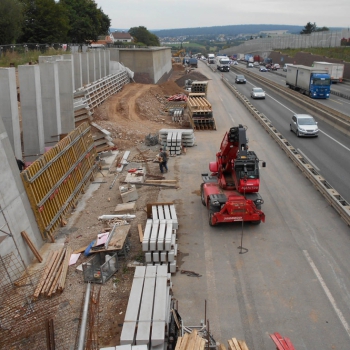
(192, 340)
(45, 274)
(140, 232)
(53, 272)
(55, 281)
(184, 341)
(222, 347)
(197, 343)
(176, 319)
(160, 181)
(117, 241)
(31, 246)
(202, 346)
(80, 250)
(178, 343)
(235, 342)
(231, 345)
(63, 276)
(243, 345)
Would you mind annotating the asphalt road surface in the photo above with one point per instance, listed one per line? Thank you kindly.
(293, 277)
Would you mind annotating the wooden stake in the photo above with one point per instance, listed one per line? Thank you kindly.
(140, 232)
(31, 246)
(62, 280)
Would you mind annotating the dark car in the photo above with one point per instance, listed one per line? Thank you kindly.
(240, 79)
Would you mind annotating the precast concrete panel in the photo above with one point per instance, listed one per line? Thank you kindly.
(9, 108)
(97, 64)
(66, 95)
(70, 57)
(78, 75)
(103, 63)
(32, 113)
(85, 68)
(50, 99)
(161, 63)
(14, 205)
(107, 61)
(92, 72)
(114, 55)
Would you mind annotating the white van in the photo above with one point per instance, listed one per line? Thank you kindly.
(285, 67)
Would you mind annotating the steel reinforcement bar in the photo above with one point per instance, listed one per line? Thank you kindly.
(327, 114)
(55, 180)
(321, 184)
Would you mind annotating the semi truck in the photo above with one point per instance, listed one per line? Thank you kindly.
(335, 70)
(211, 58)
(310, 81)
(249, 58)
(223, 63)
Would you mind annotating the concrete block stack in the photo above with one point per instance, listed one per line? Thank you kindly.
(147, 315)
(172, 139)
(159, 239)
(102, 138)
(82, 111)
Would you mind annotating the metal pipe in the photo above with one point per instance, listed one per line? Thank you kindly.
(84, 318)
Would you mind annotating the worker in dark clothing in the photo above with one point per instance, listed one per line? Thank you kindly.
(163, 160)
(20, 164)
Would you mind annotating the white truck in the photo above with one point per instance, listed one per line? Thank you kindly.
(310, 81)
(223, 63)
(335, 70)
(211, 58)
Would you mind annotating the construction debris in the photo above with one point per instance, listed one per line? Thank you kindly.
(178, 97)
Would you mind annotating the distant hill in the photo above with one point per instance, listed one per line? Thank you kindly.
(231, 30)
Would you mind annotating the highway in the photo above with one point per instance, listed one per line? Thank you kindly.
(338, 103)
(294, 277)
(329, 153)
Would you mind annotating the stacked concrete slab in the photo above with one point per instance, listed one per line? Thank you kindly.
(159, 238)
(148, 311)
(174, 138)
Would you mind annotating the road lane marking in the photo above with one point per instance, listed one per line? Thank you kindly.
(344, 101)
(221, 99)
(347, 148)
(335, 101)
(231, 117)
(298, 149)
(328, 293)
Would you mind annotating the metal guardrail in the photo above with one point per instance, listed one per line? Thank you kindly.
(321, 184)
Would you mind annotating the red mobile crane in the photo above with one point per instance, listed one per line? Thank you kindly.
(231, 191)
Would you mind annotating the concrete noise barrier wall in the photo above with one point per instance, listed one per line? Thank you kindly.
(55, 180)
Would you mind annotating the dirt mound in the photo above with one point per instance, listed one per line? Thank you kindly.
(193, 75)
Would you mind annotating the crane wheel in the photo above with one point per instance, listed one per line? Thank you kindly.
(211, 222)
(257, 222)
(202, 195)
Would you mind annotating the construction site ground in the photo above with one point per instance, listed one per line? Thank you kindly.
(130, 115)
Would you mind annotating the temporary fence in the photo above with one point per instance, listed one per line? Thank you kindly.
(55, 180)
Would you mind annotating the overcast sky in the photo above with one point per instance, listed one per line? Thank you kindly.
(169, 14)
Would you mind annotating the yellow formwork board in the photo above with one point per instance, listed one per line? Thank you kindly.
(55, 180)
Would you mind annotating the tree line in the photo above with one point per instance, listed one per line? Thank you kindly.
(48, 21)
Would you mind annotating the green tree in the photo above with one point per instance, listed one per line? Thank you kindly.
(323, 29)
(45, 21)
(86, 21)
(309, 28)
(142, 35)
(11, 18)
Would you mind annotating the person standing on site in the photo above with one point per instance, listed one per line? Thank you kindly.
(163, 160)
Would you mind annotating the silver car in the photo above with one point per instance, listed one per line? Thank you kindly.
(304, 125)
(257, 93)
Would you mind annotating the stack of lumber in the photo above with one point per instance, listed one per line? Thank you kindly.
(54, 274)
(190, 341)
(102, 138)
(82, 111)
(234, 344)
